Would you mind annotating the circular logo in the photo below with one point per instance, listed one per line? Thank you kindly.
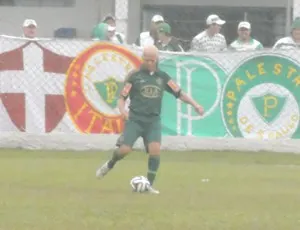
(93, 85)
(261, 99)
(201, 78)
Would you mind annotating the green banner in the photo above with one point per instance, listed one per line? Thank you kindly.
(259, 99)
(203, 79)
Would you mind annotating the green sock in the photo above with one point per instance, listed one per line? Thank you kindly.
(153, 165)
(115, 158)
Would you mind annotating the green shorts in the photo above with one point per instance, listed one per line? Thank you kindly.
(121, 139)
(149, 131)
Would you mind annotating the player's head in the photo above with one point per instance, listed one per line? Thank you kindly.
(29, 28)
(150, 57)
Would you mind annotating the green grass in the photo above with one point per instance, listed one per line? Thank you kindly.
(58, 191)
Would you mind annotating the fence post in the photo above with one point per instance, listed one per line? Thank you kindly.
(134, 20)
(289, 16)
(296, 7)
(121, 14)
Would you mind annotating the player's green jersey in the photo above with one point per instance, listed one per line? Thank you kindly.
(146, 91)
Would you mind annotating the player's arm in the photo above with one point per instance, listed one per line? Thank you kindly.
(174, 89)
(187, 99)
(125, 94)
(121, 106)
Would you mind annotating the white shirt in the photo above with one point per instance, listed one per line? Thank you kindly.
(286, 43)
(239, 45)
(204, 42)
(115, 39)
(146, 39)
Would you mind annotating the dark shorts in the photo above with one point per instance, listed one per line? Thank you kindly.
(149, 131)
(121, 139)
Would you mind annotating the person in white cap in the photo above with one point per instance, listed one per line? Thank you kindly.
(150, 37)
(293, 40)
(245, 41)
(29, 28)
(210, 39)
(114, 36)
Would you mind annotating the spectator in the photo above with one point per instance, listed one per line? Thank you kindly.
(150, 37)
(114, 36)
(292, 41)
(100, 32)
(166, 41)
(245, 41)
(210, 39)
(29, 28)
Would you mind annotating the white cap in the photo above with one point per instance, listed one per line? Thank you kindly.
(111, 28)
(157, 18)
(29, 22)
(211, 19)
(245, 25)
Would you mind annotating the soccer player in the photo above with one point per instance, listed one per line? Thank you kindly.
(121, 138)
(145, 88)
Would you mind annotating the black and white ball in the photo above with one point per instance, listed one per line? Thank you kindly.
(139, 184)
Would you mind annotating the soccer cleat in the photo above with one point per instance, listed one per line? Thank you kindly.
(102, 171)
(151, 190)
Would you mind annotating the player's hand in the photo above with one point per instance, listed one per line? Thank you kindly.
(199, 109)
(125, 115)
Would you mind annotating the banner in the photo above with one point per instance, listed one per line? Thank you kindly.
(72, 86)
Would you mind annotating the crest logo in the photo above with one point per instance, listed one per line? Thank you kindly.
(261, 99)
(94, 83)
(269, 106)
(159, 81)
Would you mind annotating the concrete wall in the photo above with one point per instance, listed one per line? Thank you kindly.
(240, 3)
(83, 16)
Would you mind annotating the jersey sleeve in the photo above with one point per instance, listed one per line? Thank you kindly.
(278, 44)
(125, 92)
(195, 45)
(260, 46)
(171, 86)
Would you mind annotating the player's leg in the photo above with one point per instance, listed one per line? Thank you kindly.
(145, 145)
(132, 132)
(153, 137)
(120, 140)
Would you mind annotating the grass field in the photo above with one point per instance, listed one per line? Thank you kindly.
(58, 191)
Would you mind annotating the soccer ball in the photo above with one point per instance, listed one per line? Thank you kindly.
(139, 184)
